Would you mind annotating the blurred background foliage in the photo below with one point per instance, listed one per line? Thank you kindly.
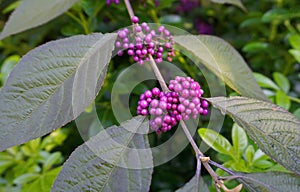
(267, 36)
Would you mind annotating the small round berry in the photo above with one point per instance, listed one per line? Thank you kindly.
(205, 112)
(155, 91)
(122, 34)
(144, 112)
(158, 120)
(135, 19)
(148, 94)
(152, 111)
(130, 52)
(181, 108)
(167, 119)
(178, 88)
(163, 105)
(138, 28)
(204, 103)
(144, 104)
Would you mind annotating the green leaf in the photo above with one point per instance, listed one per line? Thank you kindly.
(107, 162)
(32, 13)
(280, 15)
(52, 85)
(216, 141)
(237, 3)
(275, 130)
(223, 60)
(239, 139)
(8, 66)
(295, 53)
(255, 47)
(265, 82)
(192, 186)
(282, 81)
(294, 40)
(5, 164)
(249, 154)
(52, 160)
(283, 100)
(270, 182)
(25, 178)
(263, 164)
(297, 113)
(44, 182)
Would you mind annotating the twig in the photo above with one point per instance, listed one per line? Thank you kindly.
(221, 167)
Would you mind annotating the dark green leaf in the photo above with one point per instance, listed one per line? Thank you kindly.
(255, 47)
(275, 130)
(283, 100)
(52, 85)
(265, 82)
(280, 15)
(216, 141)
(8, 66)
(271, 182)
(107, 161)
(237, 3)
(32, 13)
(191, 186)
(239, 139)
(282, 81)
(223, 60)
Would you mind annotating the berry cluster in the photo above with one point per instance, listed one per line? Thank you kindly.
(108, 2)
(189, 92)
(142, 41)
(167, 109)
(162, 107)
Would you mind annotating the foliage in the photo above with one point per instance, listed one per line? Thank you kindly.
(62, 73)
(32, 166)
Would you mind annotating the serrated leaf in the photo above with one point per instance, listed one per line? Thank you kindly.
(192, 186)
(283, 100)
(280, 15)
(237, 3)
(265, 82)
(282, 81)
(52, 85)
(103, 159)
(275, 130)
(270, 182)
(239, 139)
(32, 13)
(216, 141)
(223, 60)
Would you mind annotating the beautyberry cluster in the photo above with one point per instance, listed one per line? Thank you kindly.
(142, 41)
(108, 2)
(167, 109)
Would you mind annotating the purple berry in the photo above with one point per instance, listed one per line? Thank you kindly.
(135, 19)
